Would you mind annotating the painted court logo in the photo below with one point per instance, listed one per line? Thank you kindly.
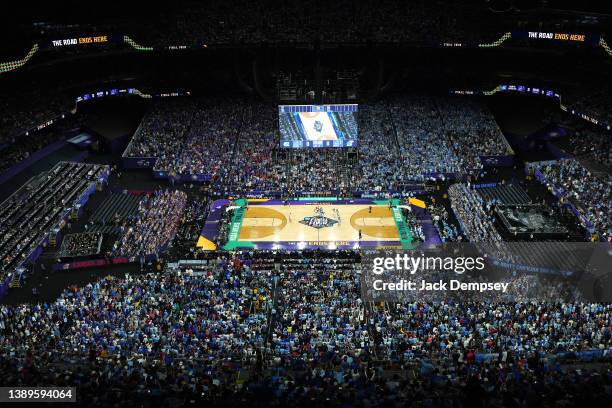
(319, 220)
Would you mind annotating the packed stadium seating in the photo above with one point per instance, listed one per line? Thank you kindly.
(405, 140)
(325, 170)
(302, 336)
(192, 220)
(154, 226)
(421, 140)
(588, 193)
(472, 131)
(254, 167)
(162, 131)
(447, 230)
(189, 136)
(188, 257)
(472, 213)
(380, 157)
(32, 212)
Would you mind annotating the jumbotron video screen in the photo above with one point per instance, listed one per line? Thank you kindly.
(318, 125)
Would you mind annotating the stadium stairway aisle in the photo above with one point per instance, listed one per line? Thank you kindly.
(506, 194)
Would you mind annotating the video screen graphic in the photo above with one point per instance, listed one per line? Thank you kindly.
(318, 125)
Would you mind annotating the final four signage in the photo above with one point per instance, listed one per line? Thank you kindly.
(99, 39)
(319, 220)
(557, 36)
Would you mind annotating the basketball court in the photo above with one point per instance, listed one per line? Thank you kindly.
(331, 224)
(335, 223)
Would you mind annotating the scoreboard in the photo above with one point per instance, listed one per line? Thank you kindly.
(303, 126)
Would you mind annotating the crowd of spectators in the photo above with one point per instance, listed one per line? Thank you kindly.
(474, 215)
(471, 130)
(402, 141)
(143, 325)
(590, 194)
(155, 224)
(254, 164)
(189, 136)
(271, 329)
(423, 146)
(209, 142)
(264, 329)
(162, 131)
(440, 329)
(192, 220)
(319, 311)
(416, 138)
(447, 230)
(319, 170)
(379, 158)
(414, 224)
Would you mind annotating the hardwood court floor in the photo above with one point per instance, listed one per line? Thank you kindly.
(280, 223)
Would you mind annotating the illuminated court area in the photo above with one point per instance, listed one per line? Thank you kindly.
(318, 223)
